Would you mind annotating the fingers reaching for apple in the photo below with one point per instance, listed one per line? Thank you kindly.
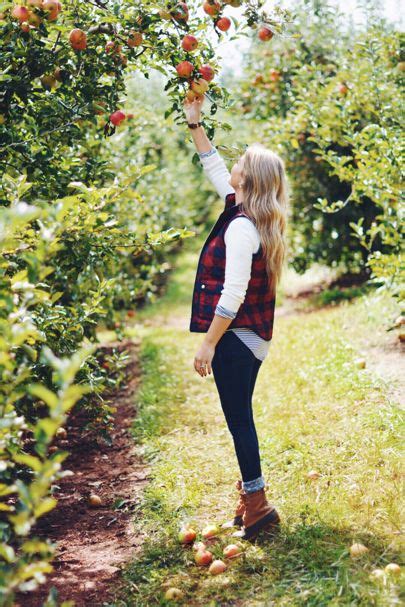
(193, 106)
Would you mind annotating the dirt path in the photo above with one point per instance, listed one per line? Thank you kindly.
(92, 543)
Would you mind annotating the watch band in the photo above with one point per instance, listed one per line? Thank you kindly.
(193, 125)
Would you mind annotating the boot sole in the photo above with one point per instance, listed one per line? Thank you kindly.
(236, 522)
(269, 523)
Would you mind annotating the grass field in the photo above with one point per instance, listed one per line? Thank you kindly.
(315, 409)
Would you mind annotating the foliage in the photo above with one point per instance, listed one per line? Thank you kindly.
(331, 107)
(79, 245)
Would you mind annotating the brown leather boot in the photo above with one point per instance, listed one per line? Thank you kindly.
(258, 515)
(240, 509)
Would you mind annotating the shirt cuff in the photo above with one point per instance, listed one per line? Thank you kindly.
(221, 311)
(207, 154)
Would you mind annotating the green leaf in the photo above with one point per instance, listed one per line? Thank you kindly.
(44, 394)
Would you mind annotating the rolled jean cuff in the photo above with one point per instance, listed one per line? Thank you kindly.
(254, 485)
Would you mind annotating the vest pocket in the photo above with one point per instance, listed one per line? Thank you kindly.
(209, 294)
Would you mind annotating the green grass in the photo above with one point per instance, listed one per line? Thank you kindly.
(314, 409)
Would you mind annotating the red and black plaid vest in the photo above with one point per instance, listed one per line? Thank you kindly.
(257, 309)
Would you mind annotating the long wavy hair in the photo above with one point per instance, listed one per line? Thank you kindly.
(266, 199)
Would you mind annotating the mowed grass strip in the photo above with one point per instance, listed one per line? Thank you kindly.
(315, 410)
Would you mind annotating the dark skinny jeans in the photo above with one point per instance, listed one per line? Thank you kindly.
(235, 369)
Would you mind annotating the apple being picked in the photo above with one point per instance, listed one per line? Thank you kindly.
(199, 86)
(210, 531)
(203, 557)
(187, 535)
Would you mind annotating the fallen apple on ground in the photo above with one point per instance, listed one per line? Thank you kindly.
(173, 594)
(217, 566)
(203, 557)
(199, 546)
(187, 535)
(94, 500)
(210, 531)
(313, 475)
(232, 550)
(392, 568)
(357, 550)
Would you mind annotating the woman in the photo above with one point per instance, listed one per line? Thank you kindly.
(233, 300)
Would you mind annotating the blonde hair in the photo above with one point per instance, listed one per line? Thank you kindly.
(266, 199)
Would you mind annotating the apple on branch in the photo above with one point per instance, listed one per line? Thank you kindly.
(223, 24)
(211, 7)
(265, 33)
(185, 69)
(189, 43)
(78, 39)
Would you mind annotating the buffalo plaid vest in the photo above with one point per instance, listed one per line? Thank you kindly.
(257, 309)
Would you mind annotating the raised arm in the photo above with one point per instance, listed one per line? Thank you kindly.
(213, 164)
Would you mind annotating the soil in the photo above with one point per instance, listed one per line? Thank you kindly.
(94, 542)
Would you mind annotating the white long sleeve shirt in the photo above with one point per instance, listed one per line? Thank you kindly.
(242, 240)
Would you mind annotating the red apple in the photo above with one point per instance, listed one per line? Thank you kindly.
(343, 89)
(187, 535)
(25, 27)
(199, 86)
(78, 39)
(21, 13)
(211, 7)
(274, 75)
(203, 557)
(134, 39)
(217, 566)
(112, 47)
(265, 33)
(199, 546)
(189, 43)
(223, 24)
(232, 550)
(180, 13)
(116, 118)
(52, 8)
(207, 72)
(185, 69)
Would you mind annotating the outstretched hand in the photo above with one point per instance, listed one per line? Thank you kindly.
(192, 109)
